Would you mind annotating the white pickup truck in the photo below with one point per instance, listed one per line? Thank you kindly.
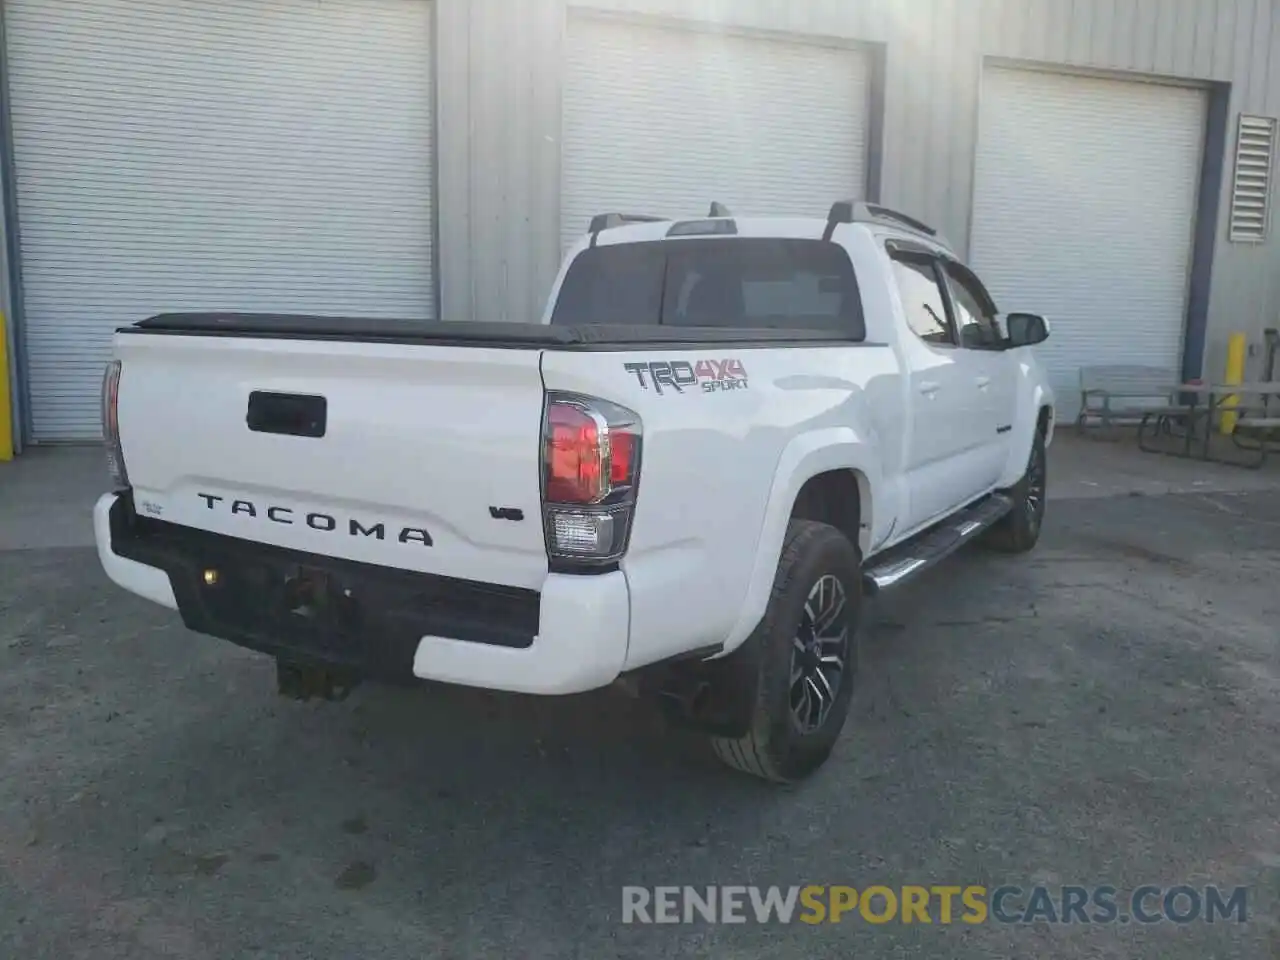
(724, 434)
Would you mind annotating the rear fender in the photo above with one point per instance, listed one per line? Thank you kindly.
(835, 448)
(1032, 398)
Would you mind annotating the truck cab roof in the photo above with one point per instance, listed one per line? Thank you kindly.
(614, 228)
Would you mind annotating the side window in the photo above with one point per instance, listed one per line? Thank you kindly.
(922, 298)
(976, 323)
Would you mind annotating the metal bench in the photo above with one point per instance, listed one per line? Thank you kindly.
(1124, 393)
(1258, 433)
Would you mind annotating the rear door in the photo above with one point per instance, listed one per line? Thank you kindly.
(387, 453)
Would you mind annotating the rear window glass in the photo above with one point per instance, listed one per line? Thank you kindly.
(752, 282)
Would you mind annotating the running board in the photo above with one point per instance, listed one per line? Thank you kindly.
(901, 563)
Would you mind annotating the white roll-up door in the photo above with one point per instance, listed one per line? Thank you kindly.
(267, 155)
(1084, 208)
(665, 120)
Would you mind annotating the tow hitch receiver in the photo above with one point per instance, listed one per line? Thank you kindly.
(302, 681)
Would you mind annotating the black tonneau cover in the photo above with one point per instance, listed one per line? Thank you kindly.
(530, 336)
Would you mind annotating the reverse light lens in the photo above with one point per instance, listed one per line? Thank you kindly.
(582, 534)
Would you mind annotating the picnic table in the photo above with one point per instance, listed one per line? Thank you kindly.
(1253, 409)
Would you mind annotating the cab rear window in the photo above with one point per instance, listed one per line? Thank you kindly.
(748, 282)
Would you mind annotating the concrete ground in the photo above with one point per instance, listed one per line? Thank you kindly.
(1102, 711)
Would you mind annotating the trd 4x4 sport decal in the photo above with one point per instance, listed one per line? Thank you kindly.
(705, 375)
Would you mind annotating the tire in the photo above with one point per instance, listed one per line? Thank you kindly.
(1019, 530)
(780, 745)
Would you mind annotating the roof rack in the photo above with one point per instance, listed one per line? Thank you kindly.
(858, 211)
(607, 221)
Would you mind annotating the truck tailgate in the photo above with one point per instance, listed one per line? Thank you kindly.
(428, 458)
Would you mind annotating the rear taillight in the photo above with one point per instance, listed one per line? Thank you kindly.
(111, 425)
(590, 474)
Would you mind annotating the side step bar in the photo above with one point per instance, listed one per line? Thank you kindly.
(901, 563)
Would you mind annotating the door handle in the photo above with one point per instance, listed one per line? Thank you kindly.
(928, 388)
(983, 382)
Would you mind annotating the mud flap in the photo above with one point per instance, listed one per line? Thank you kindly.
(715, 697)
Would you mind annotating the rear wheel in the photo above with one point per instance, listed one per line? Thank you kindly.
(1019, 530)
(808, 658)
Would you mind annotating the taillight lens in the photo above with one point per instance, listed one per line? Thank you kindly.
(624, 446)
(111, 425)
(575, 469)
(591, 467)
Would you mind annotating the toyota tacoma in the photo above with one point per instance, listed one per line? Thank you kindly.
(723, 435)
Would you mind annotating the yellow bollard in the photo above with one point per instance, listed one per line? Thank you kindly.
(1234, 377)
(6, 407)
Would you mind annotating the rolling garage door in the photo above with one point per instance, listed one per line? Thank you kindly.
(213, 154)
(664, 120)
(1084, 206)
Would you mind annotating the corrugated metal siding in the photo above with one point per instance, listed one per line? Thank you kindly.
(238, 154)
(728, 101)
(500, 71)
(500, 228)
(499, 65)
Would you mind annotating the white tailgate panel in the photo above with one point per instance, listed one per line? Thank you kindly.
(420, 439)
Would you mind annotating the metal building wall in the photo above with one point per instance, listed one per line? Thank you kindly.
(500, 77)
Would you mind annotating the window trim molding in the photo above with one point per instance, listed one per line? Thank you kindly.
(950, 267)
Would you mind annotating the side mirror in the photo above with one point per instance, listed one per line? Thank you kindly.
(1026, 329)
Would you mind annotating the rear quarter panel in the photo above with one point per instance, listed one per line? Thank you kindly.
(1033, 395)
(722, 462)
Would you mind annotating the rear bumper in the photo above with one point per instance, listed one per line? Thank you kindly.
(387, 624)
